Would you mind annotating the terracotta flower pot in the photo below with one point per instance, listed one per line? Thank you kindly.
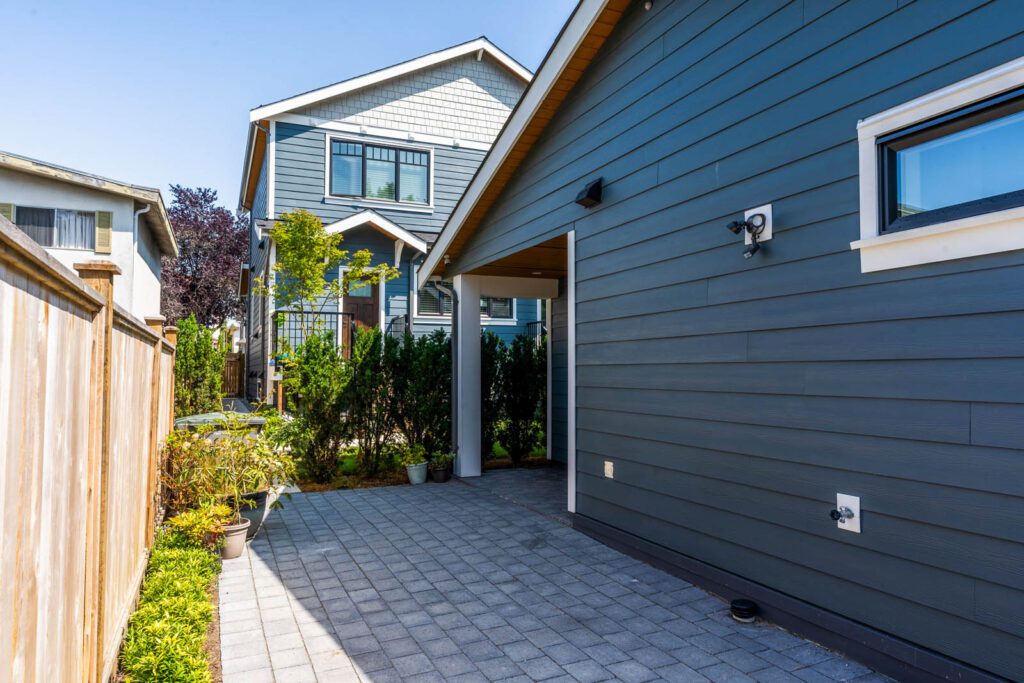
(234, 539)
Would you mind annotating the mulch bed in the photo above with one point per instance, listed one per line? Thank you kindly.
(213, 635)
(355, 481)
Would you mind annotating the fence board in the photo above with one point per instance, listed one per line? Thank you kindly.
(67, 567)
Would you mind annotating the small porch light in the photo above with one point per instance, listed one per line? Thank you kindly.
(591, 194)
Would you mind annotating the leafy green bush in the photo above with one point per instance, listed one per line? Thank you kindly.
(219, 462)
(198, 366)
(493, 357)
(522, 385)
(166, 635)
(421, 376)
(202, 526)
(316, 378)
(369, 398)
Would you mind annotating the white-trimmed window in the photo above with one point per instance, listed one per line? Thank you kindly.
(431, 302)
(941, 176)
(379, 173)
(60, 228)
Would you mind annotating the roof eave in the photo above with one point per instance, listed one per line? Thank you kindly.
(574, 32)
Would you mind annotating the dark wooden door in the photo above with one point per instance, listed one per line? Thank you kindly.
(365, 310)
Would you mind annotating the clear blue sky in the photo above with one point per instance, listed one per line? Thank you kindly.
(156, 93)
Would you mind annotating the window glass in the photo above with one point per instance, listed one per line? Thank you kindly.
(983, 161)
(412, 181)
(360, 289)
(432, 301)
(37, 224)
(962, 164)
(75, 229)
(346, 168)
(380, 172)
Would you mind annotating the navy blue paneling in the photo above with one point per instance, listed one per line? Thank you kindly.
(737, 397)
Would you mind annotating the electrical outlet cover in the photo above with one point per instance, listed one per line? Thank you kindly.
(766, 234)
(852, 502)
(609, 469)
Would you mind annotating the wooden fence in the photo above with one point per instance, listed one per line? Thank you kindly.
(232, 381)
(86, 397)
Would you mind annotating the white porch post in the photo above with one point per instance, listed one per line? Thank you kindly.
(467, 359)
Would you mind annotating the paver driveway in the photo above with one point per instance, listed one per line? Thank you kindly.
(455, 583)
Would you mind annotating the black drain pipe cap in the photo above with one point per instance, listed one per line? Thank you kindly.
(743, 610)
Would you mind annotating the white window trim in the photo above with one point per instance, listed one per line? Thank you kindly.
(377, 203)
(989, 233)
(447, 319)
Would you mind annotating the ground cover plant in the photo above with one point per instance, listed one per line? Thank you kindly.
(166, 637)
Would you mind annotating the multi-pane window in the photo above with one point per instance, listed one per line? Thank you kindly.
(962, 164)
(378, 172)
(58, 228)
(432, 301)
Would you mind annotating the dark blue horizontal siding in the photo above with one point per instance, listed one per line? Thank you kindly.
(737, 397)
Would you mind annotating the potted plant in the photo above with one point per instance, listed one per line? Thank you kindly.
(415, 462)
(441, 467)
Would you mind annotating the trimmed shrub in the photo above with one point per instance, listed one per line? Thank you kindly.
(493, 357)
(167, 634)
(198, 366)
(522, 383)
(368, 398)
(316, 379)
(421, 375)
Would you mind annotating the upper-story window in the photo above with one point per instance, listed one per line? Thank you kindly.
(60, 228)
(962, 164)
(379, 172)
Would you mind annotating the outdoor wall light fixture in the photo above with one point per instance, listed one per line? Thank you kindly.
(591, 194)
(648, 4)
(756, 228)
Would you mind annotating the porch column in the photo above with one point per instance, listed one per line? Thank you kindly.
(467, 382)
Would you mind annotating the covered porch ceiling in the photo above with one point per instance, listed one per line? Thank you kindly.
(546, 260)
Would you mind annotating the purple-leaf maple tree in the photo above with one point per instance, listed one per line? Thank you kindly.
(212, 244)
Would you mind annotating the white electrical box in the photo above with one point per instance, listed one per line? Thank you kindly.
(851, 506)
(609, 469)
(766, 232)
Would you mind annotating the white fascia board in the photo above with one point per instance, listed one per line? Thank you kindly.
(380, 222)
(536, 94)
(389, 73)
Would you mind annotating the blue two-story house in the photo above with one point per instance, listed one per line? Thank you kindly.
(382, 158)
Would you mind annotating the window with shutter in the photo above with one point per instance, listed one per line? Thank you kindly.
(104, 230)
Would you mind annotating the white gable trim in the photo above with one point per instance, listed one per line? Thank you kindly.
(381, 223)
(536, 94)
(387, 74)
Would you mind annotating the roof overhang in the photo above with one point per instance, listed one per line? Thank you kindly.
(156, 217)
(260, 117)
(380, 224)
(582, 36)
(480, 46)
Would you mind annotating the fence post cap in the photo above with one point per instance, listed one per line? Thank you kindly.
(97, 268)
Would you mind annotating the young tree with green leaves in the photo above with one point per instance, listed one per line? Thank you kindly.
(306, 255)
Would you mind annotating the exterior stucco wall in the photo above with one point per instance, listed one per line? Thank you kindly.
(137, 288)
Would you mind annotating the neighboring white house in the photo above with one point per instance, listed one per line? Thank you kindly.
(79, 217)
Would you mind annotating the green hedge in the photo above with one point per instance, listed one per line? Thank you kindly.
(167, 634)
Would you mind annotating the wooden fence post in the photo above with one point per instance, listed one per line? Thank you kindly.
(171, 335)
(156, 326)
(100, 276)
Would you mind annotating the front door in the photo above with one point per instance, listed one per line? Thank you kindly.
(363, 304)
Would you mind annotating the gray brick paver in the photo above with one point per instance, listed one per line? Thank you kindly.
(465, 583)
